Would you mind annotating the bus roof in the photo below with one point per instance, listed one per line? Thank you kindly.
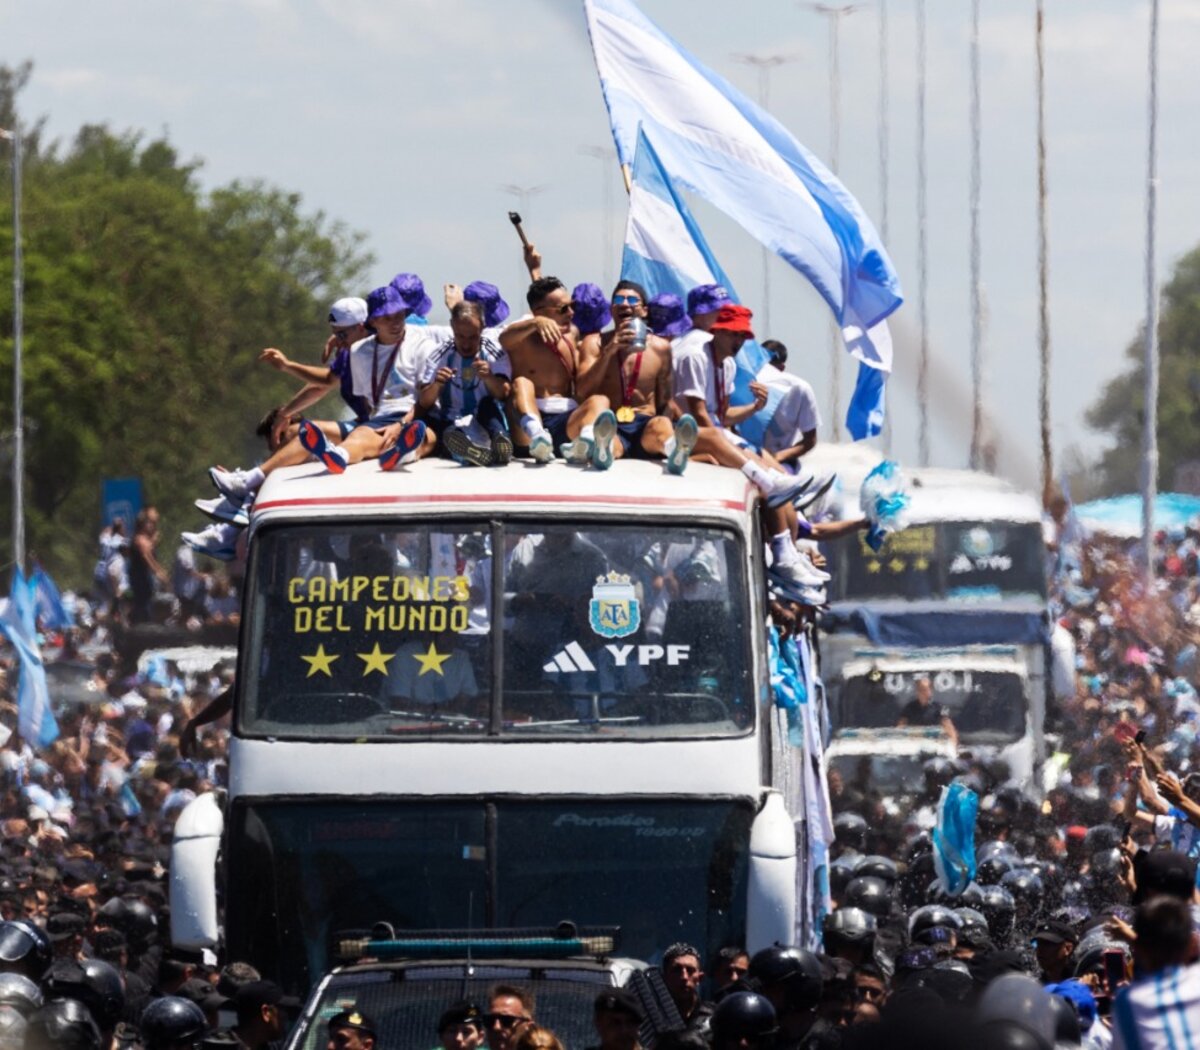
(310, 491)
(938, 493)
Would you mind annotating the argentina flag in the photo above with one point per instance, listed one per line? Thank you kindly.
(35, 720)
(666, 252)
(718, 144)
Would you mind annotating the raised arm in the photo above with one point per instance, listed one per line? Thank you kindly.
(279, 361)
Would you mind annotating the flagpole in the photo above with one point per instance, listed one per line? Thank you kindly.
(922, 248)
(884, 136)
(1043, 265)
(1150, 395)
(976, 288)
(764, 63)
(18, 475)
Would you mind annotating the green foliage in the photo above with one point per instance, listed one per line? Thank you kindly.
(1119, 409)
(146, 303)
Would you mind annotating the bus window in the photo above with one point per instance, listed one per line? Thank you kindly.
(625, 631)
(365, 631)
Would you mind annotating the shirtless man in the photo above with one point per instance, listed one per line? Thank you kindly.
(637, 382)
(544, 356)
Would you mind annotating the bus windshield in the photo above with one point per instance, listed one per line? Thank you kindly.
(957, 561)
(985, 706)
(664, 871)
(397, 631)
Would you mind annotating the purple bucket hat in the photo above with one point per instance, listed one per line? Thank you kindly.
(666, 316)
(384, 301)
(705, 298)
(591, 308)
(412, 291)
(495, 309)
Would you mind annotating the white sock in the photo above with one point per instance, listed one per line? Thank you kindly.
(255, 478)
(758, 475)
(587, 433)
(669, 446)
(531, 425)
(341, 454)
(783, 550)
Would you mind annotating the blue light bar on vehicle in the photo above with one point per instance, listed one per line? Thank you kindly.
(384, 944)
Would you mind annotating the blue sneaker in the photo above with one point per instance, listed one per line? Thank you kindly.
(314, 443)
(785, 489)
(603, 432)
(405, 450)
(686, 435)
(541, 447)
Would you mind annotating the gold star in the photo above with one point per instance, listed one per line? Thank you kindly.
(431, 660)
(896, 565)
(873, 566)
(375, 661)
(320, 661)
(921, 564)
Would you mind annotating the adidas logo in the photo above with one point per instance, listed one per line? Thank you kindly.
(572, 658)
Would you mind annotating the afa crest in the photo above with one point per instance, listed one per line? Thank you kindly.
(614, 611)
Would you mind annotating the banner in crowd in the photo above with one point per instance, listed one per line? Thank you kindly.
(715, 142)
(18, 623)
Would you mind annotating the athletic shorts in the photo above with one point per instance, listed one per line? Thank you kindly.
(375, 423)
(630, 436)
(556, 423)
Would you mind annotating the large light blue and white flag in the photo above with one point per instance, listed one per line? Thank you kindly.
(717, 143)
(666, 252)
(35, 720)
(954, 838)
(51, 609)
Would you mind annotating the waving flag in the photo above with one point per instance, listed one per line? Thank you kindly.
(55, 616)
(954, 838)
(35, 720)
(717, 143)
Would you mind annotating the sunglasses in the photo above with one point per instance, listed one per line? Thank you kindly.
(505, 1021)
(627, 300)
(563, 310)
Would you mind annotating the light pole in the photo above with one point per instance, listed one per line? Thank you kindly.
(606, 155)
(835, 13)
(977, 436)
(1043, 265)
(922, 248)
(764, 63)
(18, 477)
(1150, 412)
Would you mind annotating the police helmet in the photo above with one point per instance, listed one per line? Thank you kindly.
(992, 869)
(916, 879)
(971, 896)
(13, 1026)
(850, 924)
(139, 923)
(63, 1024)
(870, 894)
(972, 921)
(1017, 1013)
(170, 1021)
(793, 970)
(1066, 1022)
(1102, 836)
(24, 948)
(1000, 910)
(19, 991)
(1106, 863)
(743, 1015)
(1025, 886)
(94, 983)
(841, 871)
(930, 916)
(878, 867)
(850, 831)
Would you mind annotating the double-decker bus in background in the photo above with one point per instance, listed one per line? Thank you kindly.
(492, 699)
(959, 599)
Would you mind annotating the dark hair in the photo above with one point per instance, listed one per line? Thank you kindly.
(775, 348)
(467, 308)
(1164, 929)
(869, 969)
(541, 288)
(677, 951)
(515, 991)
(633, 286)
(729, 954)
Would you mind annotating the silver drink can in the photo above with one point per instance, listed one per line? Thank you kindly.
(640, 333)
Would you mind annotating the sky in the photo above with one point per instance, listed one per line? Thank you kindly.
(407, 120)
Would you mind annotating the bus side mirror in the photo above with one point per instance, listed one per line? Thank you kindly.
(194, 848)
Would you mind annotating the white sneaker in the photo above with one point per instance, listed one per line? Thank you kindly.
(785, 488)
(217, 541)
(541, 447)
(231, 483)
(799, 572)
(222, 508)
(577, 452)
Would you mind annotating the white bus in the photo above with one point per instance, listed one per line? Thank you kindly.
(497, 698)
(958, 597)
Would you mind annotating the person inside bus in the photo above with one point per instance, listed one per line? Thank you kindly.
(433, 671)
(922, 711)
(463, 385)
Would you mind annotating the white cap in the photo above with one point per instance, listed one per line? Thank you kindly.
(346, 312)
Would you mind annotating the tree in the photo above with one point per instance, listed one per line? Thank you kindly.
(147, 300)
(1119, 409)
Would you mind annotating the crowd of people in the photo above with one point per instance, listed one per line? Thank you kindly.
(1078, 927)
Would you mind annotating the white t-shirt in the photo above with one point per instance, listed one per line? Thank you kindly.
(795, 415)
(694, 375)
(369, 358)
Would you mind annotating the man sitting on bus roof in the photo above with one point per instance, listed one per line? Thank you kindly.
(462, 387)
(792, 432)
(543, 351)
(383, 372)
